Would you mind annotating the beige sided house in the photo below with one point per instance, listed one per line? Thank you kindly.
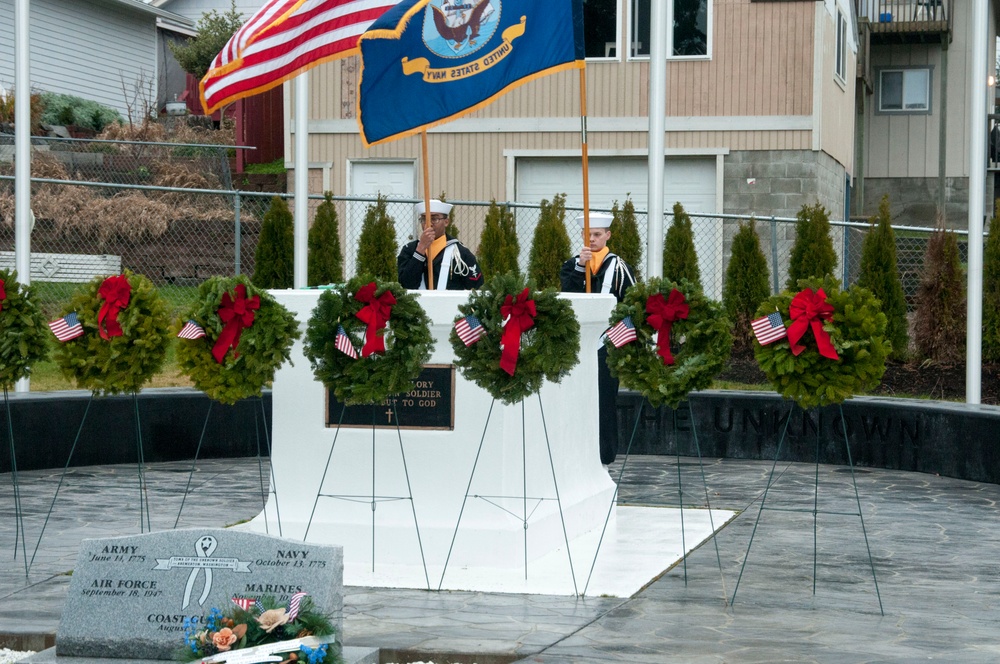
(760, 118)
(913, 133)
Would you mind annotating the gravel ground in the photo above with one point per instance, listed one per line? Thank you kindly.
(8, 656)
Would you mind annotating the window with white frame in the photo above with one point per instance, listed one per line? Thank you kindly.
(600, 28)
(904, 90)
(841, 64)
(688, 33)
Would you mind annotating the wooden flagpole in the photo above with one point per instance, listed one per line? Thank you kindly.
(427, 204)
(586, 179)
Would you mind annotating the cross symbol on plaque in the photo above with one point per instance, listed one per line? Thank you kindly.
(388, 415)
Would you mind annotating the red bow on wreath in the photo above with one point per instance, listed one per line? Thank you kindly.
(236, 315)
(661, 315)
(518, 316)
(115, 291)
(3, 294)
(376, 313)
(809, 309)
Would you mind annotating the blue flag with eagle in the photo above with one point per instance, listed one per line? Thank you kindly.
(425, 62)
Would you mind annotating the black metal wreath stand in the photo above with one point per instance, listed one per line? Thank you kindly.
(815, 511)
(144, 520)
(372, 499)
(680, 494)
(264, 492)
(537, 500)
(19, 534)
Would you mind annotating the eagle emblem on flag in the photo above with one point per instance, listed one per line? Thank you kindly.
(459, 27)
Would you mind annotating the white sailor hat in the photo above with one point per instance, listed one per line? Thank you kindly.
(597, 220)
(437, 207)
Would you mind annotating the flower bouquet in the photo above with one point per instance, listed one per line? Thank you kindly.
(259, 630)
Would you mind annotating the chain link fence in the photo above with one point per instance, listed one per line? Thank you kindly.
(168, 211)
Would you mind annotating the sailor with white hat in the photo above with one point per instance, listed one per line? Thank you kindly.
(462, 271)
(609, 274)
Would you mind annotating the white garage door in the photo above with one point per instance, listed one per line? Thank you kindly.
(394, 179)
(688, 180)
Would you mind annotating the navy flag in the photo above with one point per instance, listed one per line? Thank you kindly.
(425, 62)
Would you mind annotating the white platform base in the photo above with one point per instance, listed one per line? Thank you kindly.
(641, 544)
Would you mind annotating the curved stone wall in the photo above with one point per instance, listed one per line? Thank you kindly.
(950, 439)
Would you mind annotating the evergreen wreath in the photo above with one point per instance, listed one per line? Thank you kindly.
(117, 353)
(368, 378)
(857, 333)
(702, 342)
(262, 347)
(23, 331)
(549, 349)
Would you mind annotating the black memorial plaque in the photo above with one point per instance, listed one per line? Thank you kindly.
(429, 405)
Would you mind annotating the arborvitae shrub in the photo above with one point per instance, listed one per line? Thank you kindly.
(550, 247)
(452, 230)
(939, 329)
(812, 253)
(991, 291)
(880, 275)
(377, 247)
(679, 258)
(625, 240)
(326, 261)
(745, 287)
(498, 247)
(274, 257)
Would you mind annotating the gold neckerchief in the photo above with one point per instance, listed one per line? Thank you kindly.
(596, 258)
(437, 246)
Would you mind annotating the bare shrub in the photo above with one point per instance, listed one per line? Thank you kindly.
(45, 165)
(60, 204)
(129, 215)
(149, 131)
(7, 207)
(180, 176)
(182, 132)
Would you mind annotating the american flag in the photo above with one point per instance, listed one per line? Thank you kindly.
(282, 39)
(293, 605)
(66, 328)
(622, 333)
(343, 343)
(469, 330)
(247, 603)
(768, 329)
(191, 330)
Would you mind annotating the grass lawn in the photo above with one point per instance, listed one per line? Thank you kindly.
(55, 297)
(47, 377)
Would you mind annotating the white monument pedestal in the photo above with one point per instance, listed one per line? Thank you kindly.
(365, 505)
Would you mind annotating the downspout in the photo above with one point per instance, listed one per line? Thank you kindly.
(861, 95)
(859, 150)
(942, 134)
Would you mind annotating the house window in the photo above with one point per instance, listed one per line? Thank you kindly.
(904, 90)
(841, 64)
(688, 33)
(600, 28)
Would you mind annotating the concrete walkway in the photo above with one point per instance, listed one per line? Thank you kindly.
(934, 542)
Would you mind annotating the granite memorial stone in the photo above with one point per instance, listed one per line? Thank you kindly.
(129, 596)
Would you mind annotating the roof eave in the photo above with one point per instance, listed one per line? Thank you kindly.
(154, 10)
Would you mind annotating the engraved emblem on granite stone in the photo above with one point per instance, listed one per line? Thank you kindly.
(203, 562)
